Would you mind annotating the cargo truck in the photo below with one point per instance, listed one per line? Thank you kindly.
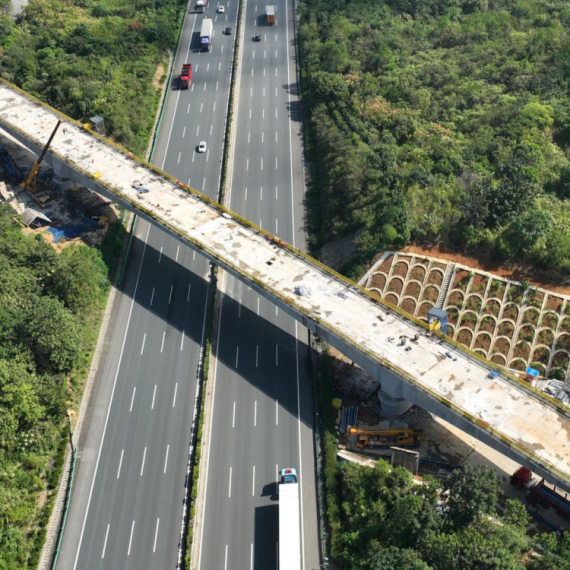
(542, 492)
(186, 76)
(269, 15)
(206, 35)
(201, 6)
(289, 521)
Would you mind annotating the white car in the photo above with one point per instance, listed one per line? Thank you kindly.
(202, 146)
(220, 9)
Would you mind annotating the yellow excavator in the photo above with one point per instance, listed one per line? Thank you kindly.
(30, 183)
(386, 437)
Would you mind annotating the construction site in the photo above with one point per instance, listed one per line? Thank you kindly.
(427, 445)
(54, 207)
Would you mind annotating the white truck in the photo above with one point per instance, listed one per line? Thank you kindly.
(201, 6)
(289, 521)
(206, 34)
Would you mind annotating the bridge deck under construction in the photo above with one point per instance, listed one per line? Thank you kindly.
(512, 413)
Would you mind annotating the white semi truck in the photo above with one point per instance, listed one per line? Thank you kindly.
(206, 34)
(289, 521)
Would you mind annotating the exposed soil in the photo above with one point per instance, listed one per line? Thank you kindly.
(424, 308)
(435, 278)
(396, 285)
(391, 299)
(530, 317)
(526, 333)
(413, 290)
(479, 284)
(400, 269)
(549, 320)
(498, 359)
(506, 328)
(469, 320)
(377, 281)
(502, 346)
(450, 330)
(452, 315)
(535, 298)
(436, 265)
(563, 341)
(474, 303)
(422, 261)
(460, 280)
(487, 324)
(545, 337)
(518, 365)
(554, 303)
(492, 308)
(535, 276)
(430, 293)
(515, 294)
(565, 326)
(561, 360)
(542, 355)
(418, 273)
(483, 341)
(156, 80)
(510, 312)
(386, 264)
(409, 306)
(465, 337)
(497, 289)
(455, 298)
(522, 350)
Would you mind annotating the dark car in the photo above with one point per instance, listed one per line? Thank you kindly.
(228, 31)
(256, 38)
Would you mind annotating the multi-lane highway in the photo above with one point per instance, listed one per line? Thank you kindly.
(127, 505)
(262, 415)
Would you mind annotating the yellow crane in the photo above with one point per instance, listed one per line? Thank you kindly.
(386, 437)
(30, 182)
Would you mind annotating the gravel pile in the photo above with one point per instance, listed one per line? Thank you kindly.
(416, 417)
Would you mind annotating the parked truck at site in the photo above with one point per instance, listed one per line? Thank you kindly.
(541, 492)
(206, 34)
(186, 76)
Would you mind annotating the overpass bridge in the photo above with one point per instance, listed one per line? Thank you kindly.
(436, 374)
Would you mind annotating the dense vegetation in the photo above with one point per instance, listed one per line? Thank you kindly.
(89, 57)
(48, 305)
(382, 521)
(441, 121)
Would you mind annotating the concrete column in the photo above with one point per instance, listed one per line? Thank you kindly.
(393, 407)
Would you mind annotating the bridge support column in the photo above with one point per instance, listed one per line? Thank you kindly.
(393, 407)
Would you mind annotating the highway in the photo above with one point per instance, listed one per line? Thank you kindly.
(263, 410)
(127, 505)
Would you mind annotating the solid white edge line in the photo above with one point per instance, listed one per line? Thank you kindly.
(290, 137)
(210, 447)
(111, 402)
(300, 453)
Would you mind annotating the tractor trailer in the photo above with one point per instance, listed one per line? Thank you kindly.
(206, 34)
(289, 521)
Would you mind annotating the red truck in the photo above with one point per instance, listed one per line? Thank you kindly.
(186, 76)
(542, 492)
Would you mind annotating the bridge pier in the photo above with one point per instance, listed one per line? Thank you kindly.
(393, 407)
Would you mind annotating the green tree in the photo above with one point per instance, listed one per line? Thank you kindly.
(473, 491)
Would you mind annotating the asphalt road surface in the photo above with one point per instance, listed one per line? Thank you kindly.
(127, 505)
(262, 419)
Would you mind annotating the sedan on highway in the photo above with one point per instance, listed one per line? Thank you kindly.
(220, 9)
(228, 31)
(202, 146)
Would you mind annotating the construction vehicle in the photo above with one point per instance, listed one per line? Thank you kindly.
(386, 437)
(541, 492)
(186, 76)
(30, 183)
